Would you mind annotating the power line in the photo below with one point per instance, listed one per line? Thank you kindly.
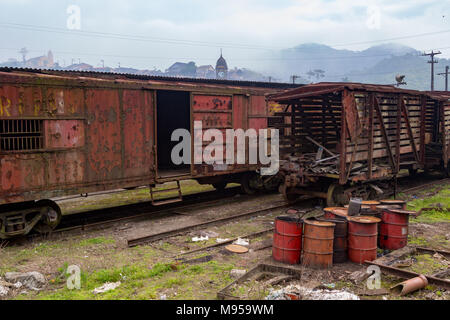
(185, 42)
(130, 37)
(392, 39)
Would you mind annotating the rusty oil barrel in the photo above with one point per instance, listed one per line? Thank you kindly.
(335, 213)
(390, 202)
(287, 240)
(394, 229)
(372, 204)
(362, 238)
(340, 239)
(318, 244)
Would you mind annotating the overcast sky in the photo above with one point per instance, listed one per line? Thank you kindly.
(166, 31)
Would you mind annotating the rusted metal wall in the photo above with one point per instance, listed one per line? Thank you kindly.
(379, 129)
(224, 112)
(98, 133)
(94, 139)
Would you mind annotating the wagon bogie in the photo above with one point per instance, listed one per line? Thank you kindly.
(19, 219)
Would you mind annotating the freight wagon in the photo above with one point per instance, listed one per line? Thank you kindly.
(65, 133)
(338, 139)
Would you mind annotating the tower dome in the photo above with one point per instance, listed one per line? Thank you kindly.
(221, 67)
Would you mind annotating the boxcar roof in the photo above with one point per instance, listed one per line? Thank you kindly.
(314, 90)
(127, 76)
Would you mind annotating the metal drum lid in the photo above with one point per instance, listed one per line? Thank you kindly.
(320, 223)
(392, 201)
(400, 211)
(364, 219)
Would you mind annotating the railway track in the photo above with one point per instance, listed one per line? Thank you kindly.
(106, 217)
(171, 233)
(102, 218)
(166, 234)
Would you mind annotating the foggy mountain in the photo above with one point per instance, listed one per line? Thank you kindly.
(377, 64)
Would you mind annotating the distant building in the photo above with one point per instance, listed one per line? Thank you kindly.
(41, 62)
(206, 72)
(180, 69)
(221, 68)
(80, 67)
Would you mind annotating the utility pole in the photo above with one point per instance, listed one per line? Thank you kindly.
(432, 61)
(294, 77)
(446, 77)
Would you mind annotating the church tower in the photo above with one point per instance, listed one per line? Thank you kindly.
(221, 68)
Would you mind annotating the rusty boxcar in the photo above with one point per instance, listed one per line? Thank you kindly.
(336, 137)
(64, 133)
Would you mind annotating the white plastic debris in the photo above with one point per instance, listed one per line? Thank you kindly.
(237, 273)
(106, 287)
(31, 280)
(210, 234)
(3, 291)
(242, 242)
(310, 294)
(220, 240)
(197, 239)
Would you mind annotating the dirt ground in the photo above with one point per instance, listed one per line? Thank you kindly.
(162, 270)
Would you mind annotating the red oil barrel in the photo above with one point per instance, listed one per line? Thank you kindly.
(401, 203)
(394, 229)
(335, 213)
(380, 209)
(318, 244)
(362, 238)
(340, 239)
(287, 240)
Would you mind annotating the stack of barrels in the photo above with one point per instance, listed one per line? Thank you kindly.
(336, 236)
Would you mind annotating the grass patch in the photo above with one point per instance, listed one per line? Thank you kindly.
(129, 197)
(439, 200)
(133, 278)
(427, 265)
(96, 241)
(417, 241)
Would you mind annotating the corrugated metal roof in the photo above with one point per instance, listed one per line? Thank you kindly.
(317, 89)
(111, 75)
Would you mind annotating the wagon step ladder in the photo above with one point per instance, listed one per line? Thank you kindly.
(156, 202)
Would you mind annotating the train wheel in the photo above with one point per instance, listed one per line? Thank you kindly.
(51, 216)
(245, 184)
(220, 186)
(290, 196)
(336, 196)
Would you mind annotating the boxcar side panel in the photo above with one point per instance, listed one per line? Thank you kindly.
(103, 138)
(257, 117)
(137, 121)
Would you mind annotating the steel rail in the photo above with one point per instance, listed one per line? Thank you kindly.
(170, 233)
(405, 274)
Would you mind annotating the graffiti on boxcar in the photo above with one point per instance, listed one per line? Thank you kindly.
(5, 105)
(37, 102)
(211, 120)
